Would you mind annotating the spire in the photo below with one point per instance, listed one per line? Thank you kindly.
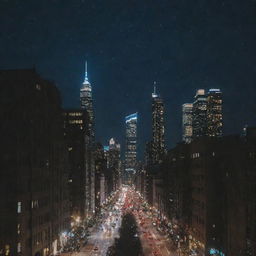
(86, 75)
(154, 95)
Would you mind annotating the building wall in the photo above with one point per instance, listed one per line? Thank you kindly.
(75, 132)
(209, 188)
(33, 182)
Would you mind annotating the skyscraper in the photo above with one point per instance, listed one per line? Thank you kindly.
(75, 131)
(87, 102)
(187, 129)
(214, 113)
(158, 145)
(114, 162)
(34, 166)
(199, 121)
(131, 143)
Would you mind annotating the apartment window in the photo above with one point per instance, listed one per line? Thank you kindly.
(19, 207)
(18, 229)
(19, 247)
(7, 249)
(38, 87)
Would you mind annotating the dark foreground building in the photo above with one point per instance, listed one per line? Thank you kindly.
(76, 134)
(34, 210)
(209, 192)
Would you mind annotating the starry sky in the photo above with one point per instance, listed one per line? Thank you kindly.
(183, 45)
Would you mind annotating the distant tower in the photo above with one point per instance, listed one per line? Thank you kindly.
(187, 129)
(131, 143)
(114, 161)
(199, 122)
(158, 143)
(214, 113)
(87, 102)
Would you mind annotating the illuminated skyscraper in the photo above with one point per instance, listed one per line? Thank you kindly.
(131, 143)
(214, 113)
(199, 122)
(87, 102)
(158, 145)
(187, 129)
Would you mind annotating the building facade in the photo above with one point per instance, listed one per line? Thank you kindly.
(75, 132)
(207, 117)
(131, 144)
(86, 102)
(34, 197)
(199, 121)
(213, 191)
(187, 126)
(158, 128)
(214, 113)
(114, 162)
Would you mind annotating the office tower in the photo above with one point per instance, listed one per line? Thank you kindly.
(86, 102)
(75, 132)
(114, 163)
(187, 129)
(100, 177)
(131, 143)
(199, 121)
(158, 145)
(34, 210)
(214, 113)
(148, 154)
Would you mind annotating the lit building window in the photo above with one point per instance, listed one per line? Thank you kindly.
(38, 87)
(19, 247)
(7, 249)
(18, 229)
(19, 207)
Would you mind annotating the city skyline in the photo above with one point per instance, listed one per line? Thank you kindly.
(182, 55)
(128, 128)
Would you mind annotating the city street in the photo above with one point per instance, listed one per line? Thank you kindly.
(104, 234)
(153, 242)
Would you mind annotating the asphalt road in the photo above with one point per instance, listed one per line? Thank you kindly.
(104, 235)
(153, 242)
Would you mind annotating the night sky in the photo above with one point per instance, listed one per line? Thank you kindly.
(183, 45)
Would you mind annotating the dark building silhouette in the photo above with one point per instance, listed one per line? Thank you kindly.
(209, 191)
(34, 208)
(76, 133)
(114, 162)
(101, 173)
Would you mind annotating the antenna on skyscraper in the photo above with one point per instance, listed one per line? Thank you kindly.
(86, 77)
(154, 95)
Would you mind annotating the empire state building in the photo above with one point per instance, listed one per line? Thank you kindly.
(87, 102)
